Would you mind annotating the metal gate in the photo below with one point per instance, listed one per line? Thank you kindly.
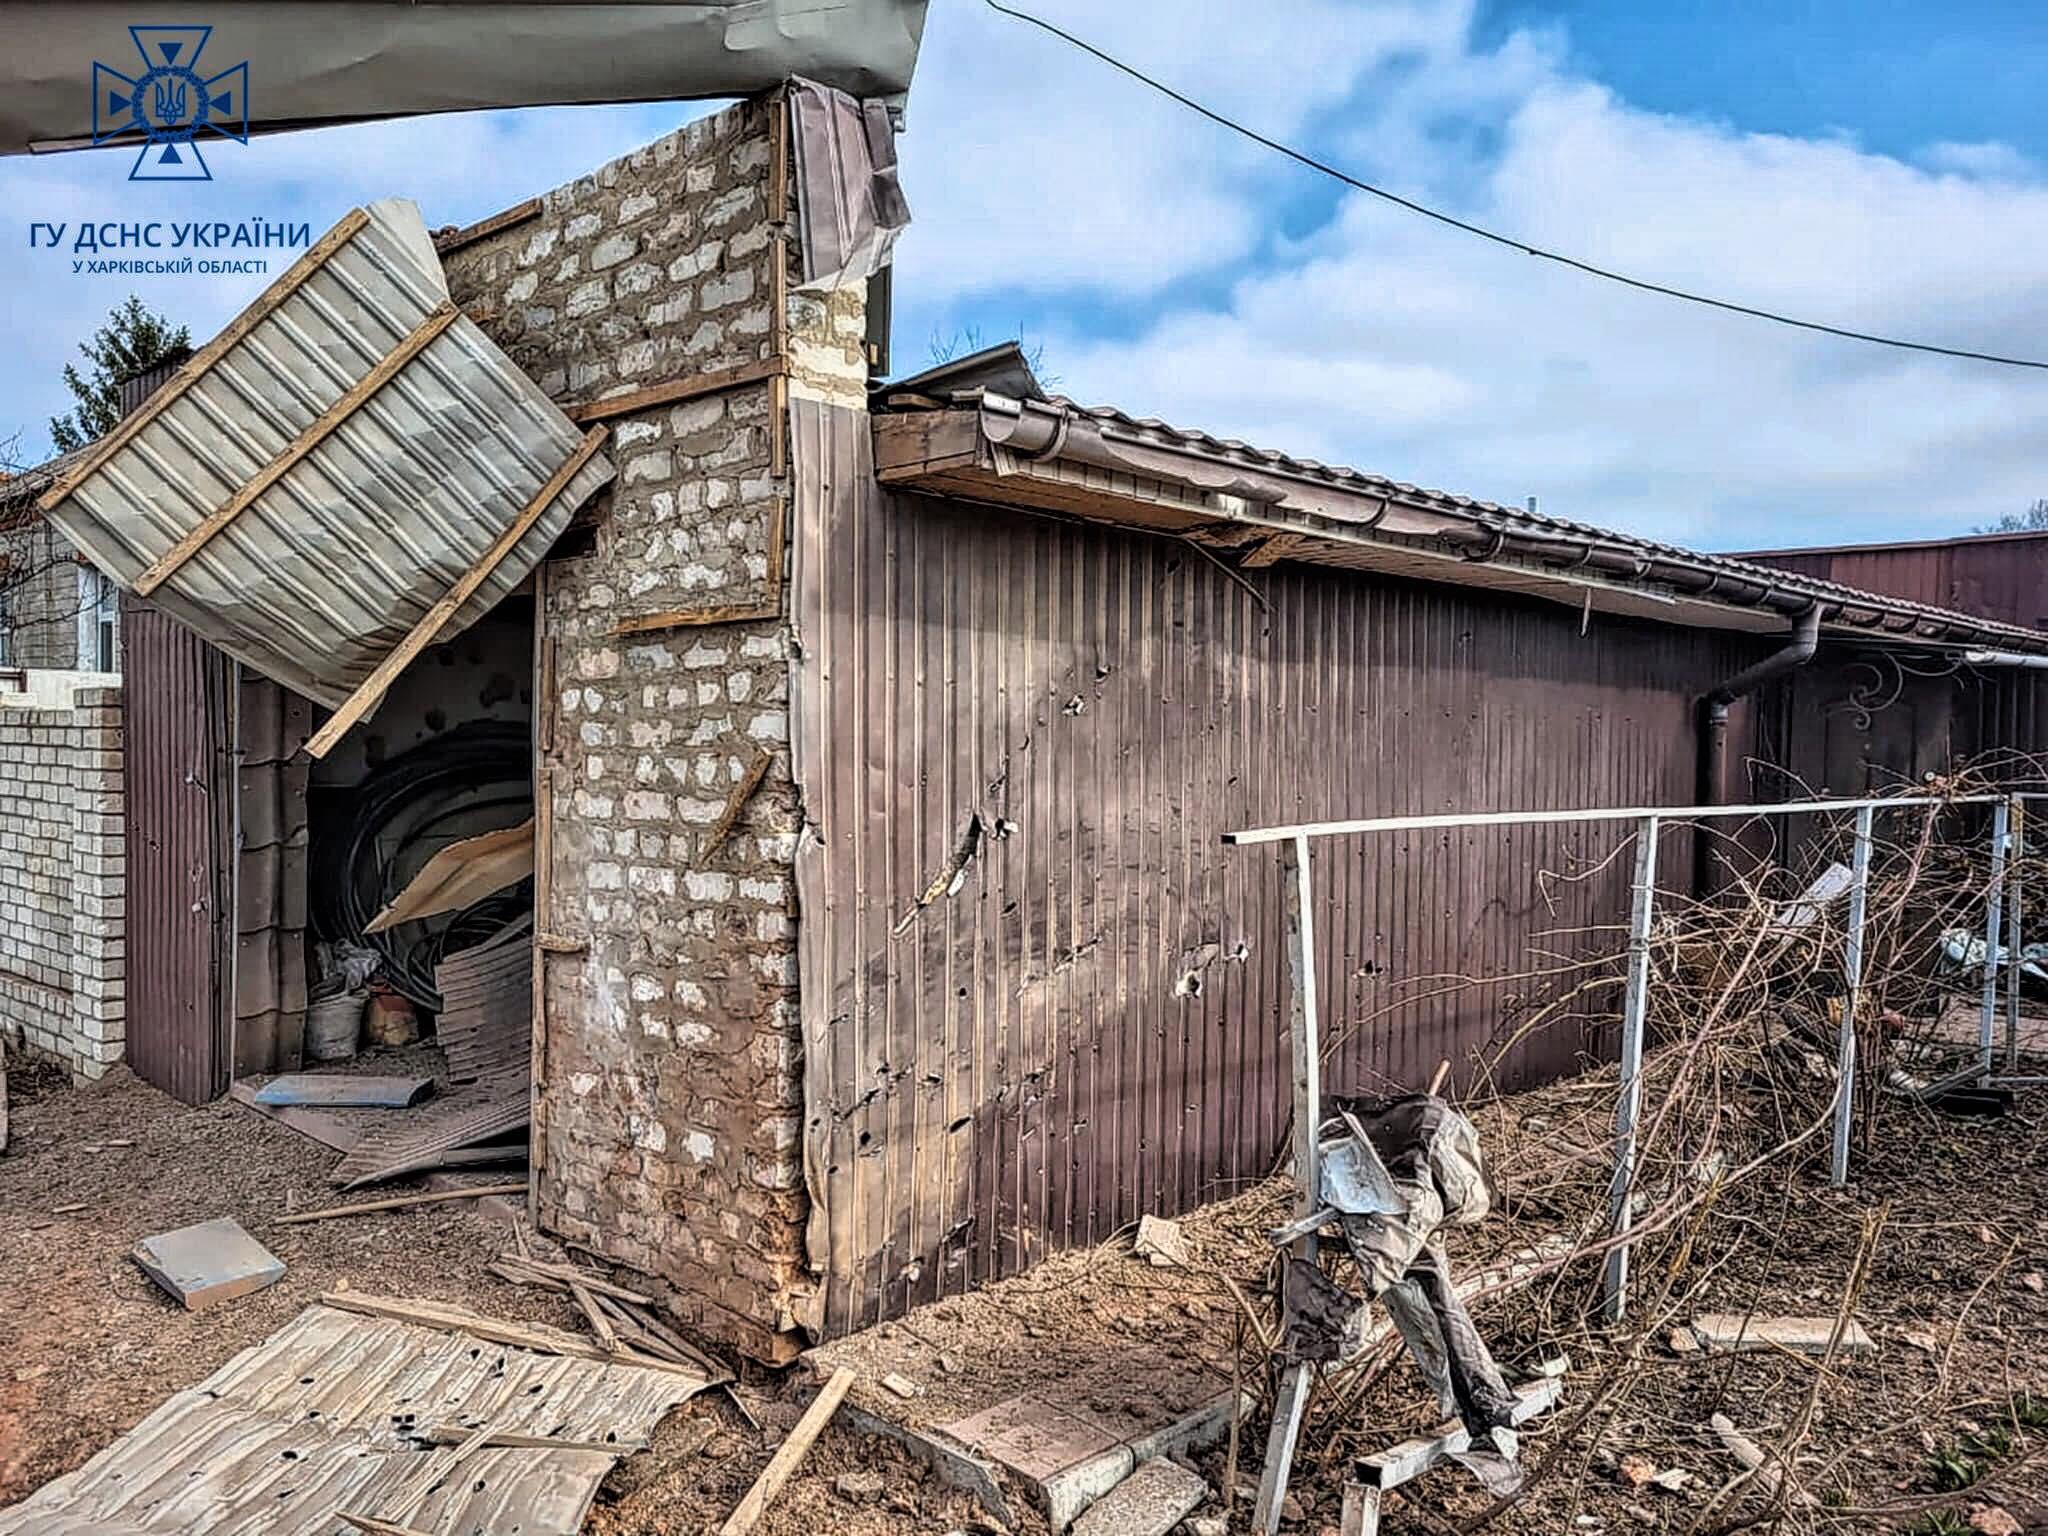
(179, 826)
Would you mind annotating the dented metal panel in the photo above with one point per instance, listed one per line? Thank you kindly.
(1084, 1020)
(330, 1414)
(850, 202)
(403, 490)
(363, 59)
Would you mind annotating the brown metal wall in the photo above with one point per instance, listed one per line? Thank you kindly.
(179, 796)
(2004, 578)
(271, 725)
(1026, 1064)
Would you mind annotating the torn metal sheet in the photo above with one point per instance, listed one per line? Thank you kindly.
(851, 204)
(330, 466)
(309, 64)
(486, 1020)
(461, 874)
(337, 1412)
(415, 1140)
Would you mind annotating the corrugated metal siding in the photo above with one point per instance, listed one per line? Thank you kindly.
(336, 561)
(1028, 1065)
(1995, 578)
(271, 725)
(178, 791)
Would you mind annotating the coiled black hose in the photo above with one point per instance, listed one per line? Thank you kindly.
(484, 765)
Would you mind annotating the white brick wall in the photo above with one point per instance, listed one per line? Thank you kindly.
(62, 876)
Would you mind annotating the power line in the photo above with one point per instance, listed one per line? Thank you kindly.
(1643, 284)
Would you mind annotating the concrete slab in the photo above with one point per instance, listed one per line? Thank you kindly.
(1150, 1502)
(211, 1262)
(1733, 1333)
(1070, 1455)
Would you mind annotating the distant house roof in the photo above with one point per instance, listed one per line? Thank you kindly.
(982, 428)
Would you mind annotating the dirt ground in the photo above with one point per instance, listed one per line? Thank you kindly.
(1921, 1432)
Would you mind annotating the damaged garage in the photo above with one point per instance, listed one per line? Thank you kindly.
(798, 800)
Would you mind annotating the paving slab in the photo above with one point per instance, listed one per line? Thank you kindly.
(211, 1262)
(1150, 1502)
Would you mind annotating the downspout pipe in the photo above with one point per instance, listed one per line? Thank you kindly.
(1714, 705)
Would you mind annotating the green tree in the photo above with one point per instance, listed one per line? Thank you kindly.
(2033, 520)
(132, 340)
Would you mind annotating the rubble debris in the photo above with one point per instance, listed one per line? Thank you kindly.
(403, 1202)
(863, 1487)
(901, 1385)
(1990, 1520)
(1150, 1502)
(343, 1090)
(1724, 1333)
(1161, 1243)
(208, 1263)
(1755, 1463)
(788, 1456)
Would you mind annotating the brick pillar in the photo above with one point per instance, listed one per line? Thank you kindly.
(98, 882)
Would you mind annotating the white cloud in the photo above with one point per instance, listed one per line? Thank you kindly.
(1385, 341)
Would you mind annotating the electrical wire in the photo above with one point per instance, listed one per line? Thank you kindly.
(1644, 285)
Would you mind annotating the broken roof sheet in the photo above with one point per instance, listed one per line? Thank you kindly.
(1014, 445)
(333, 1412)
(325, 471)
(310, 63)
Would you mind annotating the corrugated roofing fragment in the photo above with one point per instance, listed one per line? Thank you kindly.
(321, 477)
(336, 1412)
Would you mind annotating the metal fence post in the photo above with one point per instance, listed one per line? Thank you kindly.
(1629, 1103)
(1994, 911)
(1303, 1041)
(2013, 942)
(1852, 975)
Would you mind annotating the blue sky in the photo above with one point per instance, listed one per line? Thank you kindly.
(1876, 164)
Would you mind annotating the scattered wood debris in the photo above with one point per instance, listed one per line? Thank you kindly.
(788, 1457)
(403, 1202)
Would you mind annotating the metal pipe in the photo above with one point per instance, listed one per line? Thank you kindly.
(2015, 944)
(1994, 914)
(1852, 975)
(1713, 750)
(1628, 1105)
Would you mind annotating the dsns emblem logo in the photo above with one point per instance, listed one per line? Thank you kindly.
(169, 104)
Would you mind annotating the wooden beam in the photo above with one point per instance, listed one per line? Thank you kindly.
(788, 1456)
(686, 618)
(483, 229)
(452, 1318)
(403, 1202)
(675, 391)
(196, 366)
(365, 698)
(317, 432)
(742, 792)
(916, 443)
(512, 1440)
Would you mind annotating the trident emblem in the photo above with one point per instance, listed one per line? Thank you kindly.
(169, 103)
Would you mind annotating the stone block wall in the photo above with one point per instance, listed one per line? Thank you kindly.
(62, 878)
(669, 1118)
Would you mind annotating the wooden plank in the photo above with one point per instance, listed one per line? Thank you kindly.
(336, 1135)
(687, 618)
(586, 1303)
(788, 1456)
(910, 445)
(317, 432)
(1405, 1462)
(483, 229)
(403, 1202)
(195, 367)
(342, 1090)
(512, 1440)
(537, 1047)
(455, 1319)
(675, 391)
(372, 689)
(557, 1276)
(736, 802)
